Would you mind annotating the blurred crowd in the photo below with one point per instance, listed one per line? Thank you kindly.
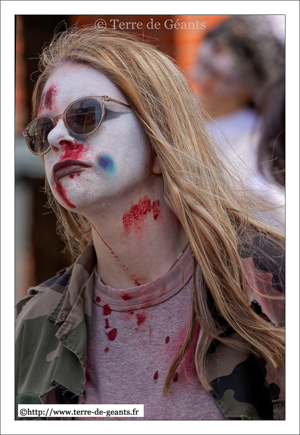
(240, 69)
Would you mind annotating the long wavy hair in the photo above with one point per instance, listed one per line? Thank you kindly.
(197, 187)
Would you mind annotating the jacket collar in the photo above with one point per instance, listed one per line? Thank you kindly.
(76, 300)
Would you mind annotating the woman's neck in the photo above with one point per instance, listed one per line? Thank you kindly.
(136, 241)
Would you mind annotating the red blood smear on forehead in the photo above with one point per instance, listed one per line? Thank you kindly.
(106, 310)
(155, 376)
(49, 97)
(167, 339)
(62, 193)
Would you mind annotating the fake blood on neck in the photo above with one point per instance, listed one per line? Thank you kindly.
(124, 268)
(135, 217)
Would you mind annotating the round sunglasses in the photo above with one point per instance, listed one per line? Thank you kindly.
(82, 118)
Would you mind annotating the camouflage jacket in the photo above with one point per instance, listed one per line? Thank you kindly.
(53, 328)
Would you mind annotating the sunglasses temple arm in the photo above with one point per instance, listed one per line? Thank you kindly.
(116, 101)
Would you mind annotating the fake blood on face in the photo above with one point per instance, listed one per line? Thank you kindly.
(49, 97)
(73, 175)
(155, 376)
(137, 214)
(62, 194)
(47, 100)
(73, 151)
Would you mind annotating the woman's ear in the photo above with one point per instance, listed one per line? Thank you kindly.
(156, 168)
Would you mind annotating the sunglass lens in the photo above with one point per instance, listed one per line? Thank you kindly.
(37, 136)
(84, 116)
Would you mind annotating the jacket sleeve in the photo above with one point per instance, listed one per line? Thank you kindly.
(264, 262)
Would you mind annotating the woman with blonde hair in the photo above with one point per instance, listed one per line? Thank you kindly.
(175, 298)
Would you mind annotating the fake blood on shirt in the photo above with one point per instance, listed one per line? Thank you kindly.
(129, 361)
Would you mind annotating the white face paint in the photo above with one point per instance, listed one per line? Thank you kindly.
(117, 158)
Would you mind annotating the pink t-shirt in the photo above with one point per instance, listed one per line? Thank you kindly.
(135, 334)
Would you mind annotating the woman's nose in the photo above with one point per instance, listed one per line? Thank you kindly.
(60, 137)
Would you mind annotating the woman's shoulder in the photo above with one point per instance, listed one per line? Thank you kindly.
(263, 258)
(43, 298)
(267, 252)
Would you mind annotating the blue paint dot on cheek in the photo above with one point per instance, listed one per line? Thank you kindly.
(106, 163)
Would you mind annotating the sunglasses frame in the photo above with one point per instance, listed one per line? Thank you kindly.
(101, 99)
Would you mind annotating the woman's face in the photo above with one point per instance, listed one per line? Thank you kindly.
(115, 160)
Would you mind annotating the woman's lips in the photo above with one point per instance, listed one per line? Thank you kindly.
(68, 167)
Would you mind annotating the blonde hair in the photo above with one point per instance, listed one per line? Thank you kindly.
(197, 186)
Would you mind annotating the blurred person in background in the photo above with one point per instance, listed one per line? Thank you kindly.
(269, 179)
(236, 62)
(175, 297)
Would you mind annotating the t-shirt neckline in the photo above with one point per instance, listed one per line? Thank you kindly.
(148, 294)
